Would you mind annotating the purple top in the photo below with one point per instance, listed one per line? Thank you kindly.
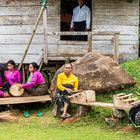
(37, 79)
(1, 84)
(1, 92)
(13, 77)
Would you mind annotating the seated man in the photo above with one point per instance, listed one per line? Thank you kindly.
(66, 84)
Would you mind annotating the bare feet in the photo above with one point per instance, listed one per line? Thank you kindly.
(65, 116)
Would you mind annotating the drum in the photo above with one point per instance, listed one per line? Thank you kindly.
(134, 115)
(15, 91)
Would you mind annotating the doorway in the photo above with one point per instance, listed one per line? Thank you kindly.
(67, 7)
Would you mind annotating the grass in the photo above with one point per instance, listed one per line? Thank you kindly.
(47, 127)
(133, 68)
(90, 127)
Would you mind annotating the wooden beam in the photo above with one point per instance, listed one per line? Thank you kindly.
(125, 96)
(121, 94)
(90, 42)
(116, 47)
(82, 33)
(100, 104)
(21, 100)
(62, 58)
(130, 100)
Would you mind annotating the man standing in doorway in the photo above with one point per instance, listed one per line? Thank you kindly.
(81, 18)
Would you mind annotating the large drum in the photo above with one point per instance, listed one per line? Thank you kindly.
(15, 91)
(134, 115)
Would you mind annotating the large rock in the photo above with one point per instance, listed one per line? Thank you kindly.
(98, 72)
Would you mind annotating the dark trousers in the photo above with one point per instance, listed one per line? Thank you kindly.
(38, 90)
(62, 97)
(6, 87)
(80, 26)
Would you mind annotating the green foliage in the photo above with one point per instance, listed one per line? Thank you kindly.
(48, 76)
(133, 67)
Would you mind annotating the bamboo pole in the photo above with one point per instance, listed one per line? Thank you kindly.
(45, 53)
(33, 33)
(23, 73)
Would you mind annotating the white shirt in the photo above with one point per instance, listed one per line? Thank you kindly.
(81, 14)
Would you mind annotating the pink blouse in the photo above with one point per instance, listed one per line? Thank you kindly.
(1, 92)
(37, 79)
(1, 84)
(13, 77)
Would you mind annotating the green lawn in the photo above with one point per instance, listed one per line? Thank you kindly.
(90, 127)
(87, 128)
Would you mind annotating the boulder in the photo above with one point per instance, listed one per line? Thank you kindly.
(97, 72)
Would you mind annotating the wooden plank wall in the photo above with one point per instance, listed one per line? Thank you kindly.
(17, 18)
(107, 16)
(116, 16)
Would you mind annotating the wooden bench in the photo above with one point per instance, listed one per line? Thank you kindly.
(22, 100)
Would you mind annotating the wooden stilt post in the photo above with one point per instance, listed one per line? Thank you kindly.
(33, 33)
(116, 47)
(23, 73)
(89, 42)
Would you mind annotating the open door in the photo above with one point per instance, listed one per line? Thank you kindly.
(67, 7)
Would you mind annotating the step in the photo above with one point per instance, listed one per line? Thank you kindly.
(130, 100)
(125, 96)
(121, 94)
(134, 103)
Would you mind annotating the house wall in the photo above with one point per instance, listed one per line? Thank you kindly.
(116, 16)
(17, 18)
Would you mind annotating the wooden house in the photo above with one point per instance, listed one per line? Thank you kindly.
(114, 30)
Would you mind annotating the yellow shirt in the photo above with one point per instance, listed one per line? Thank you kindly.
(62, 79)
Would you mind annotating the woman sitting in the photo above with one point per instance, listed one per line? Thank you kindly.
(37, 85)
(12, 75)
(66, 84)
(3, 92)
